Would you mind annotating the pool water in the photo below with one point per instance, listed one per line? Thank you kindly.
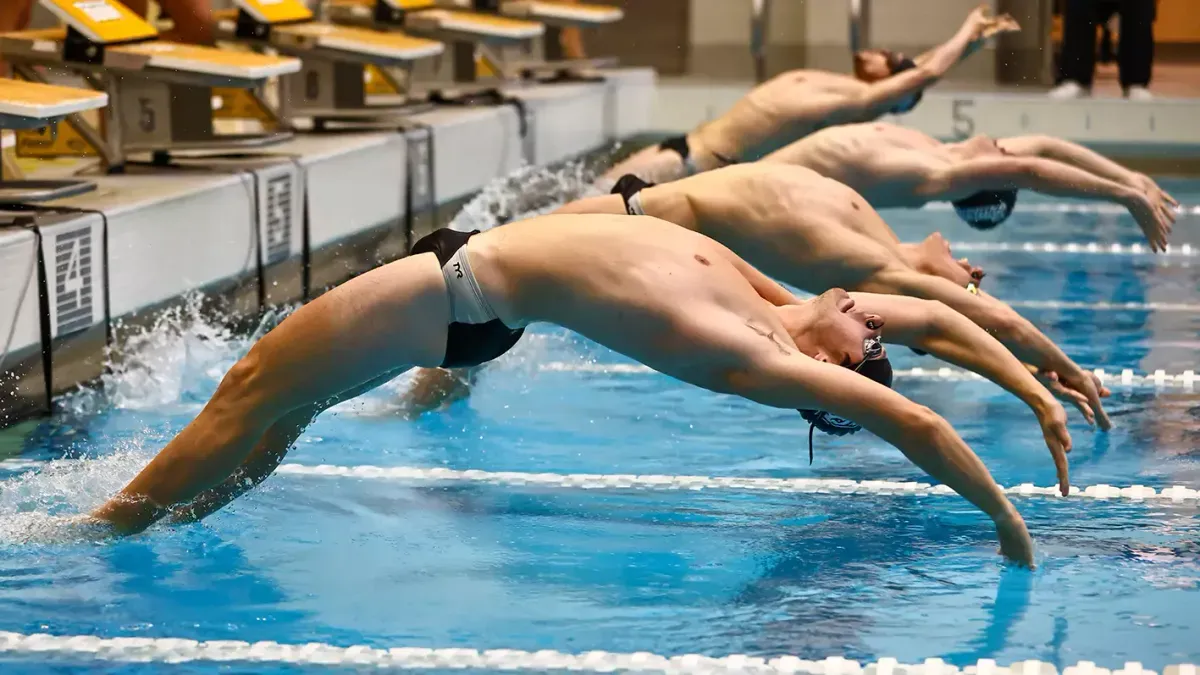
(349, 561)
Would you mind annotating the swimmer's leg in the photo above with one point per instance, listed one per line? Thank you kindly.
(384, 321)
(434, 388)
(266, 456)
(652, 164)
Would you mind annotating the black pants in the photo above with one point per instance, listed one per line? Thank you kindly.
(1135, 54)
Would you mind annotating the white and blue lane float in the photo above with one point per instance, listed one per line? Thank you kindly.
(90, 649)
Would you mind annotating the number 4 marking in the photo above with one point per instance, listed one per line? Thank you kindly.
(72, 281)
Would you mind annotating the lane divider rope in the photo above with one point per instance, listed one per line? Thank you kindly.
(77, 648)
(1105, 306)
(1070, 207)
(1174, 251)
(1126, 378)
(585, 481)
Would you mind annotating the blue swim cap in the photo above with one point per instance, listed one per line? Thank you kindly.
(898, 64)
(987, 208)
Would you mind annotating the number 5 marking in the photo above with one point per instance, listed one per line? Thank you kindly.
(964, 123)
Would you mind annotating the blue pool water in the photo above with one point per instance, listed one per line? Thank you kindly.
(348, 561)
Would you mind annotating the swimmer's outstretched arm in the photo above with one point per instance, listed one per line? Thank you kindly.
(885, 95)
(1013, 331)
(935, 328)
(1052, 178)
(1057, 149)
(980, 26)
(925, 438)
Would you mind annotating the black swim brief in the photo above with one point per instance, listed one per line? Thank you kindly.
(680, 146)
(484, 336)
(628, 186)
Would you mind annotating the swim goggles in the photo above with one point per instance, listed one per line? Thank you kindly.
(835, 425)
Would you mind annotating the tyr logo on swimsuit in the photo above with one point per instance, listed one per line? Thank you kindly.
(458, 269)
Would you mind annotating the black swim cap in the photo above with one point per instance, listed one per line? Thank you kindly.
(987, 208)
(876, 367)
(898, 63)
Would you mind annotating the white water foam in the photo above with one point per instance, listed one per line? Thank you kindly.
(44, 506)
(528, 192)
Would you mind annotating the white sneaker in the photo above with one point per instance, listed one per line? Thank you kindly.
(1137, 93)
(1069, 89)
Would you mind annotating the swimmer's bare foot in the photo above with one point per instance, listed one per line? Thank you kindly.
(435, 388)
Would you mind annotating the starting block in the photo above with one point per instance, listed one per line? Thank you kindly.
(29, 105)
(336, 60)
(475, 27)
(160, 93)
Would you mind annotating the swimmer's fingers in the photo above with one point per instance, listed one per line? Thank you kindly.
(1102, 420)
(1105, 392)
(1086, 383)
(1081, 404)
(1058, 440)
(1061, 468)
(1075, 398)
(1005, 24)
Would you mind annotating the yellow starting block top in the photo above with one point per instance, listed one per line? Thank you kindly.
(406, 5)
(101, 21)
(483, 25)
(562, 12)
(275, 11)
(43, 101)
(189, 58)
(393, 46)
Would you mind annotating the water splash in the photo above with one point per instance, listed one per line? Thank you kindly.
(175, 361)
(527, 192)
(44, 506)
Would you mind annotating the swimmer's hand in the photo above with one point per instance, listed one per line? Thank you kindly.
(1053, 419)
(1015, 542)
(981, 27)
(1146, 184)
(1063, 393)
(1079, 386)
(1154, 214)
(1004, 23)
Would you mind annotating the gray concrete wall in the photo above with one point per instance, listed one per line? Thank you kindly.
(816, 34)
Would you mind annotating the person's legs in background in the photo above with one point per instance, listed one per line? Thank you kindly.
(192, 19)
(1078, 61)
(1135, 52)
(14, 15)
(572, 44)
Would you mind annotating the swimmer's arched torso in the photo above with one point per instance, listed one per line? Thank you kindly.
(787, 107)
(646, 300)
(886, 163)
